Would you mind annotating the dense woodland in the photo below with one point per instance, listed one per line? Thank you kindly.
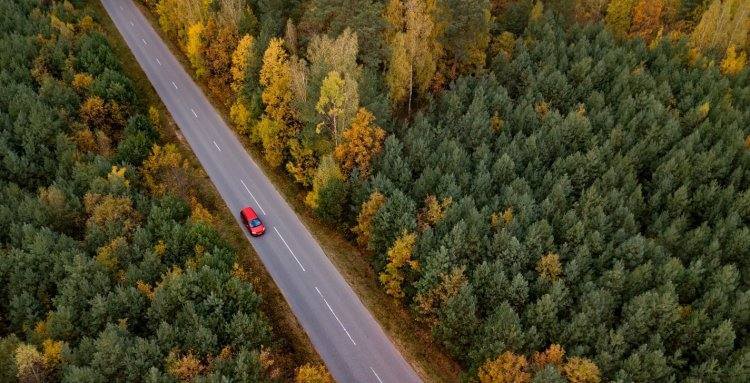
(104, 276)
(559, 190)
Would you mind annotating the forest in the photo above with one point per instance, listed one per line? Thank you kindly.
(559, 191)
(106, 275)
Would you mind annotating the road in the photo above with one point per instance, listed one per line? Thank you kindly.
(347, 337)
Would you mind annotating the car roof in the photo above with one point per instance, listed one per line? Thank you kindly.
(249, 213)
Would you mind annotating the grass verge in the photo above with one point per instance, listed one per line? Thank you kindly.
(292, 339)
(428, 358)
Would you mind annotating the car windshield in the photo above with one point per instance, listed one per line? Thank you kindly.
(255, 223)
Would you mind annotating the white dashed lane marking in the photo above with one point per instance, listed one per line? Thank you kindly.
(376, 375)
(290, 249)
(337, 317)
(251, 195)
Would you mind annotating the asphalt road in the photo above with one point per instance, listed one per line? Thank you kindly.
(347, 337)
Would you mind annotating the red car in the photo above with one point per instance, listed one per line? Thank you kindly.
(252, 222)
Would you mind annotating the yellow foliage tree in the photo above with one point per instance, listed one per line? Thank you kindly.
(733, 63)
(581, 370)
(327, 170)
(240, 116)
(363, 228)
(194, 48)
(52, 352)
(506, 368)
(303, 164)
(109, 254)
(537, 11)
(310, 373)
(415, 49)
(82, 82)
(93, 112)
(270, 134)
(549, 266)
(331, 101)
(166, 170)
(724, 23)
(433, 211)
(154, 116)
(275, 77)
(361, 142)
(30, 365)
(108, 209)
(619, 17)
(399, 256)
(241, 61)
(198, 212)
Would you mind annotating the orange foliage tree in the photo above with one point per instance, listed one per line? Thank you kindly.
(361, 142)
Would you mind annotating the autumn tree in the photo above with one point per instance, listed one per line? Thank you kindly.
(619, 17)
(553, 355)
(218, 55)
(646, 19)
(194, 48)
(331, 102)
(590, 11)
(360, 144)
(30, 364)
(328, 171)
(243, 71)
(363, 228)
(271, 135)
(303, 162)
(733, 62)
(82, 82)
(723, 24)
(310, 373)
(243, 64)
(415, 49)
(549, 266)
(581, 370)
(165, 170)
(327, 55)
(275, 78)
(398, 256)
(94, 113)
(463, 27)
(506, 368)
(433, 211)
